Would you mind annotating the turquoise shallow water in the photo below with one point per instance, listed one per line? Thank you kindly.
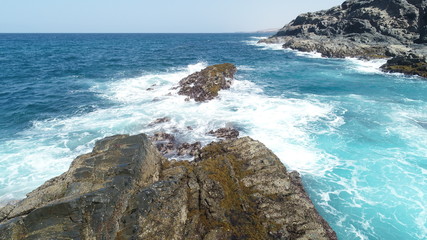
(358, 136)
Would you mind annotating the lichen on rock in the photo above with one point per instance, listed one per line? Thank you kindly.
(125, 189)
(410, 64)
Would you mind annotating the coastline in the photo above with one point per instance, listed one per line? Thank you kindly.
(305, 109)
(368, 30)
(234, 188)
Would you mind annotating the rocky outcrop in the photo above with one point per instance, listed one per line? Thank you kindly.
(159, 121)
(88, 201)
(124, 189)
(410, 65)
(205, 85)
(359, 28)
(227, 133)
(169, 147)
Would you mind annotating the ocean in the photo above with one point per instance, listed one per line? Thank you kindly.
(357, 136)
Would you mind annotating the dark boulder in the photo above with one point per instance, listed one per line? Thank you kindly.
(410, 64)
(159, 121)
(205, 85)
(227, 133)
(165, 143)
(169, 147)
(189, 149)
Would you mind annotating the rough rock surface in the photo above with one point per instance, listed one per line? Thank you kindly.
(205, 85)
(360, 28)
(164, 142)
(124, 189)
(87, 201)
(227, 133)
(410, 65)
(159, 121)
(168, 146)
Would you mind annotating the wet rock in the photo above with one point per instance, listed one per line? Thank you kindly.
(227, 133)
(205, 85)
(124, 189)
(164, 142)
(189, 149)
(410, 64)
(169, 147)
(159, 120)
(162, 137)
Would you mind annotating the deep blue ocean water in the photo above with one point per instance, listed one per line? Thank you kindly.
(357, 136)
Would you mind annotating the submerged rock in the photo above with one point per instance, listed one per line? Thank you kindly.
(205, 85)
(124, 189)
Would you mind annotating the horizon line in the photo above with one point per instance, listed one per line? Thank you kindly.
(126, 32)
(258, 31)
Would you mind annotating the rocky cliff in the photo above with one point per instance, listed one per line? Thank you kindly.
(125, 189)
(360, 28)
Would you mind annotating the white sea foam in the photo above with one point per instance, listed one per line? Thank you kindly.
(366, 66)
(358, 233)
(245, 68)
(356, 191)
(258, 38)
(370, 183)
(286, 125)
(264, 46)
(409, 124)
(283, 124)
(279, 47)
(279, 123)
(306, 54)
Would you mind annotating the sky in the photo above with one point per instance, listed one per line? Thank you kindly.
(154, 16)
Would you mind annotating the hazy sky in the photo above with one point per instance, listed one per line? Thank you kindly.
(151, 16)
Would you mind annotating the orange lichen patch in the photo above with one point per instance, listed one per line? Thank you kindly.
(244, 222)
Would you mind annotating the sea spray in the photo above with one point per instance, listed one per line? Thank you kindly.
(357, 135)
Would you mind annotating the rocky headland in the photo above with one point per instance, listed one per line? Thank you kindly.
(367, 29)
(127, 189)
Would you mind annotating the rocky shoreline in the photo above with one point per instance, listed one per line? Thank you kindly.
(366, 29)
(127, 189)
